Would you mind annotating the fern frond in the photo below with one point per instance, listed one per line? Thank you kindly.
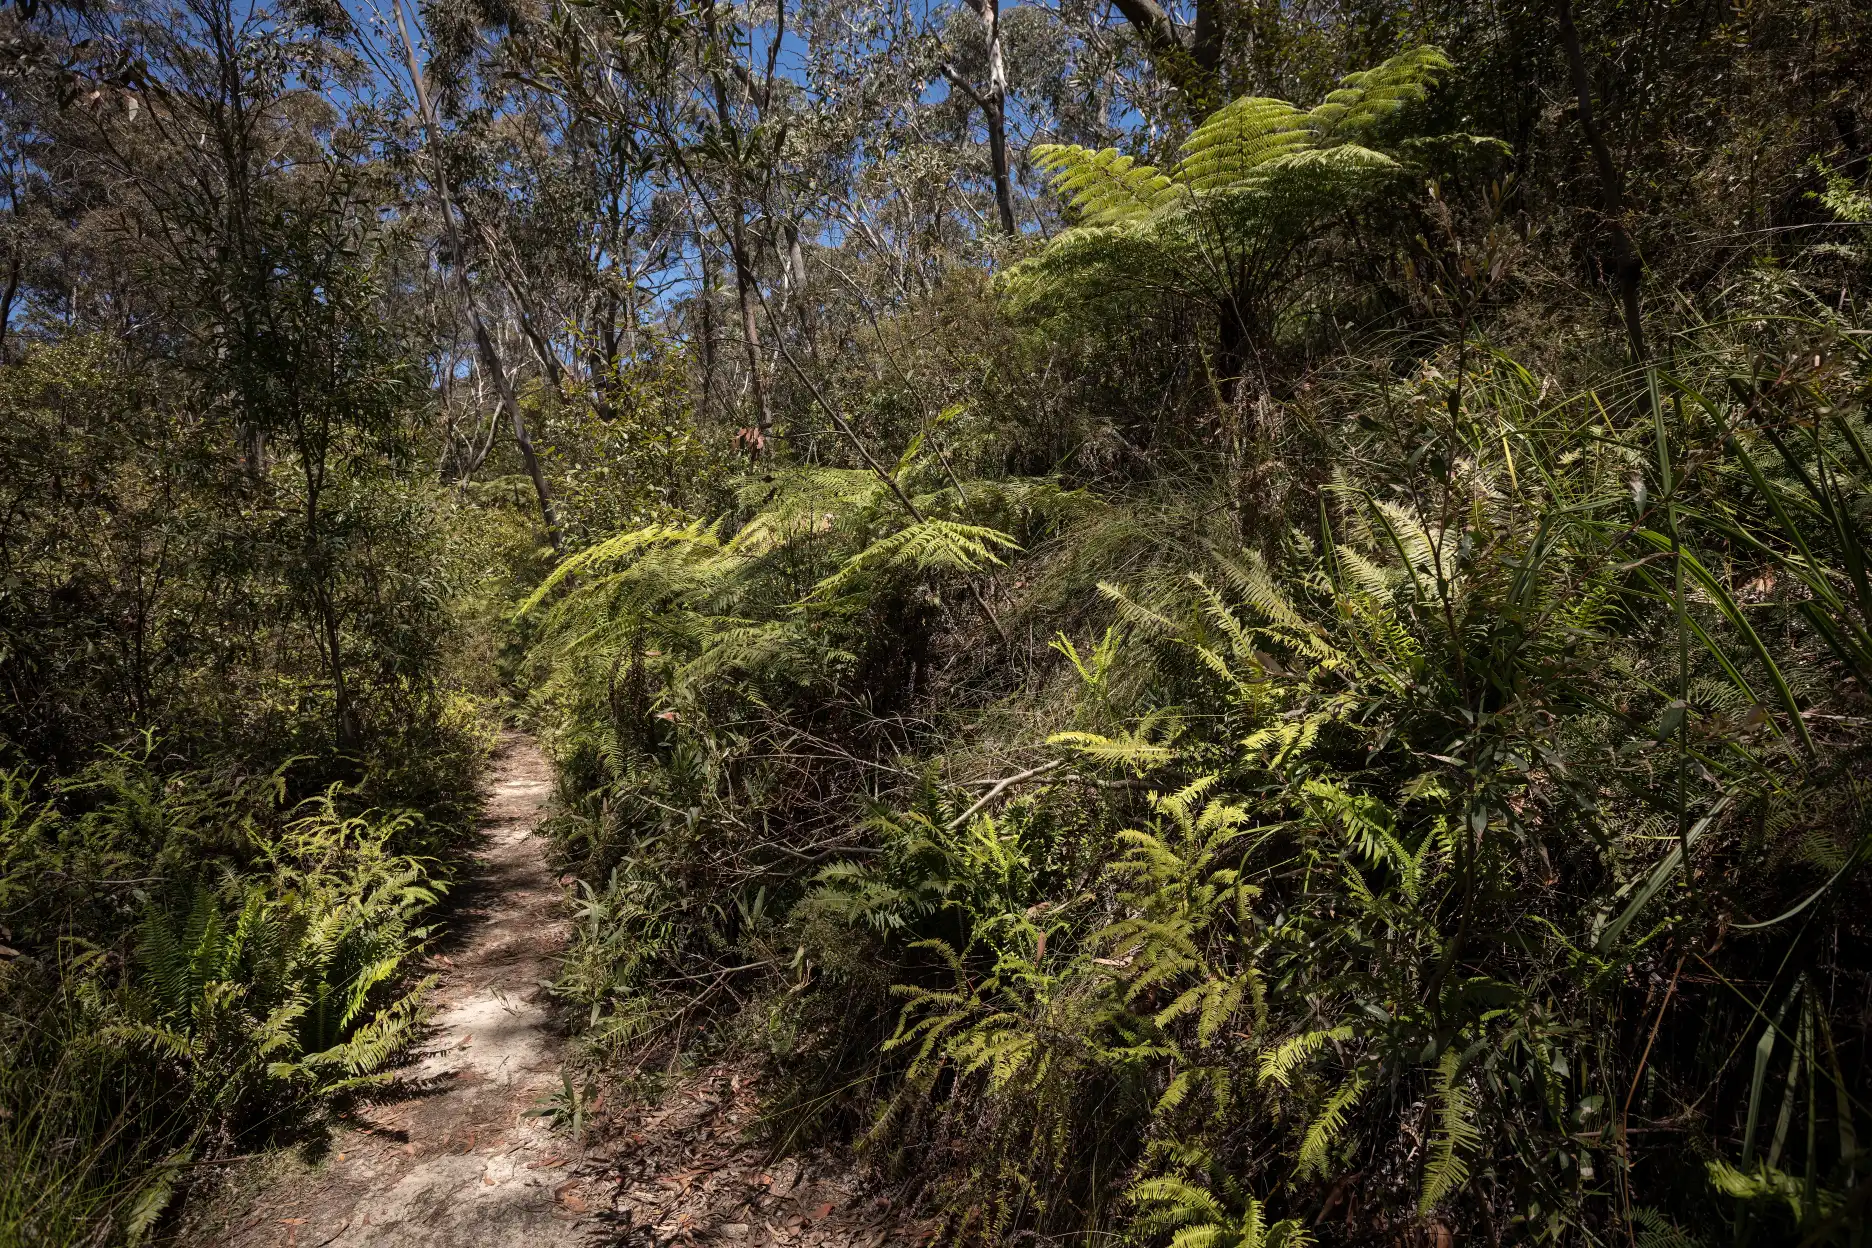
(1238, 138)
(1370, 97)
(927, 545)
(613, 550)
(1456, 1135)
(1128, 749)
(1657, 1231)
(155, 1194)
(1105, 187)
(1135, 613)
(1279, 1064)
(1327, 1126)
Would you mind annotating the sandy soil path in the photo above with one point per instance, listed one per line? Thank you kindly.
(458, 1161)
(453, 1159)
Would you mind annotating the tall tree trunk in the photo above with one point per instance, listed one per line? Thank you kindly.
(1232, 341)
(796, 265)
(994, 110)
(745, 278)
(750, 325)
(484, 342)
(344, 726)
(997, 116)
(707, 297)
(6, 300)
(1627, 269)
(601, 358)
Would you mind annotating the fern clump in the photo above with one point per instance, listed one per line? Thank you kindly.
(264, 968)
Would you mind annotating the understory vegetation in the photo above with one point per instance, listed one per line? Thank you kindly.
(1223, 625)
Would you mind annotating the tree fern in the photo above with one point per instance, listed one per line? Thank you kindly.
(925, 546)
(1229, 225)
(1104, 187)
(1370, 97)
(612, 551)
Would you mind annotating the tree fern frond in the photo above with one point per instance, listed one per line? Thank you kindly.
(1103, 187)
(1238, 138)
(927, 545)
(1369, 97)
(613, 550)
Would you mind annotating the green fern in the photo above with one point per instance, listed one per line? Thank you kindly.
(1193, 1217)
(1657, 1231)
(1456, 1138)
(1326, 1127)
(1279, 1064)
(1105, 188)
(926, 546)
(1148, 745)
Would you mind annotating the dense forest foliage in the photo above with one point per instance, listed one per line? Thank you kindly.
(1246, 622)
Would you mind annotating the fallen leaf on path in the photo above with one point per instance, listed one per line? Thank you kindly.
(681, 1181)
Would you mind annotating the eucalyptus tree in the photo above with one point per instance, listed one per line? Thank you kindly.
(992, 100)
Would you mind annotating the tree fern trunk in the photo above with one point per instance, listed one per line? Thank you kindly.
(1627, 268)
(1232, 349)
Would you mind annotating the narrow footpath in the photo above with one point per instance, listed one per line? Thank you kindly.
(455, 1158)
(452, 1157)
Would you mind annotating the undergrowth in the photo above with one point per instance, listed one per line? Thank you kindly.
(1464, 849)
(200, 968)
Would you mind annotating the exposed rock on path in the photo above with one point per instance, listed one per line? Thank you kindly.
(688, 1170)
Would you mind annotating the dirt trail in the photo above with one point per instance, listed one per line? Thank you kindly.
(454, 1160)
(457, 1161)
